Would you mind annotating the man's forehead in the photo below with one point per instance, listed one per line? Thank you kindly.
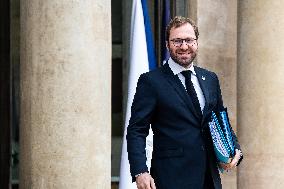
(183, 30)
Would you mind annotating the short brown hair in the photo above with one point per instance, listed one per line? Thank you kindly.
(179, 21)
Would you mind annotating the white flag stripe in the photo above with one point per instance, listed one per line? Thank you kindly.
(138, 64)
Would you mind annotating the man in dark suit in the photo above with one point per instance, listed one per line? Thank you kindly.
(176, 100)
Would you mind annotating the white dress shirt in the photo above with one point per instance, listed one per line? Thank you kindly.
(177, 69)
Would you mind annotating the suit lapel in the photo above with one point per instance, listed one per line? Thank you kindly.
(203, 82)
(205, 86)
(178, 87)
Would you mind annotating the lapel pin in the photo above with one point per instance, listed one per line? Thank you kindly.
(203, 78)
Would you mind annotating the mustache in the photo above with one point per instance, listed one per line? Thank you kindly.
(183, 51)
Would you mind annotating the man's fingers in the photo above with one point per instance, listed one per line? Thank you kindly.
(145, 181)
(153, 186)
(235, 160)
(224, 166)
(144, 185)
(148, 186)
(148, 183)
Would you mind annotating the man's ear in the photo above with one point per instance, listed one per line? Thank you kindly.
(167, 45)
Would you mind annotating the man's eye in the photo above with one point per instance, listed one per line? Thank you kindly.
(178, 41)
(188, 40)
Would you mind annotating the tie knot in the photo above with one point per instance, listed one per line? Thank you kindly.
(186, 73)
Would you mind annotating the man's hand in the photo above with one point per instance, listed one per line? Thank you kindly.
(145, 181)
(234, 162)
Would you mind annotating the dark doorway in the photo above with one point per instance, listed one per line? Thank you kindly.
(5, 88)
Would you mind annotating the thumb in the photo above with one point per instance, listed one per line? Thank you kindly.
(236, 158)
(153, 186)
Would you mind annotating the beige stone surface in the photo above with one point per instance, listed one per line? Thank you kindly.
(65, 94)
(261, 93)
(192, 9)
(217, 22)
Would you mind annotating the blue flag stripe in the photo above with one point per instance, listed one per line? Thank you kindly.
(149, 37)
(166, 19)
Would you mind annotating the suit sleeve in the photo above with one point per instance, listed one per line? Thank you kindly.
(220, 107)
(142, 111)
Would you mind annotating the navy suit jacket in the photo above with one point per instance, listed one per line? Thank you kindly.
(182, 146)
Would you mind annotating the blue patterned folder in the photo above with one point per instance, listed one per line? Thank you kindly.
(221, 133)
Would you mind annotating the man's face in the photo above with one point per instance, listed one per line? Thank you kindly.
(182, 45)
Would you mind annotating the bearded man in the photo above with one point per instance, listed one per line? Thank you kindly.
(176, 100)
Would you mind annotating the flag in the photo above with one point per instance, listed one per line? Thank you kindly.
(142, 59)
(166, 16)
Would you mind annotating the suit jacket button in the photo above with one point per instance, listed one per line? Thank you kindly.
(203, 148)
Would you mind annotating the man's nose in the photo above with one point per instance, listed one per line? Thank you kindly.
(184, 45)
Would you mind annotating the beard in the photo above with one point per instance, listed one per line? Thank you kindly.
(184, 62)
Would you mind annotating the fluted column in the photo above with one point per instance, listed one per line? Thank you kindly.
(217, 22)
(261, 93)
(65, 124)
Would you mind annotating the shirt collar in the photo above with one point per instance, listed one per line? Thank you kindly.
(176, 68)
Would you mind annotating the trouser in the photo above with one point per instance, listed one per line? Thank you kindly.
(208, 181)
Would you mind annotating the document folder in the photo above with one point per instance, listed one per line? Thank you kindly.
(221, 133)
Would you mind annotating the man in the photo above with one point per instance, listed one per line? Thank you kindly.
(176, 100)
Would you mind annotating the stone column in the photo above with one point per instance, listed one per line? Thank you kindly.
(261, 93)
(217, 22)
(65, 124)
